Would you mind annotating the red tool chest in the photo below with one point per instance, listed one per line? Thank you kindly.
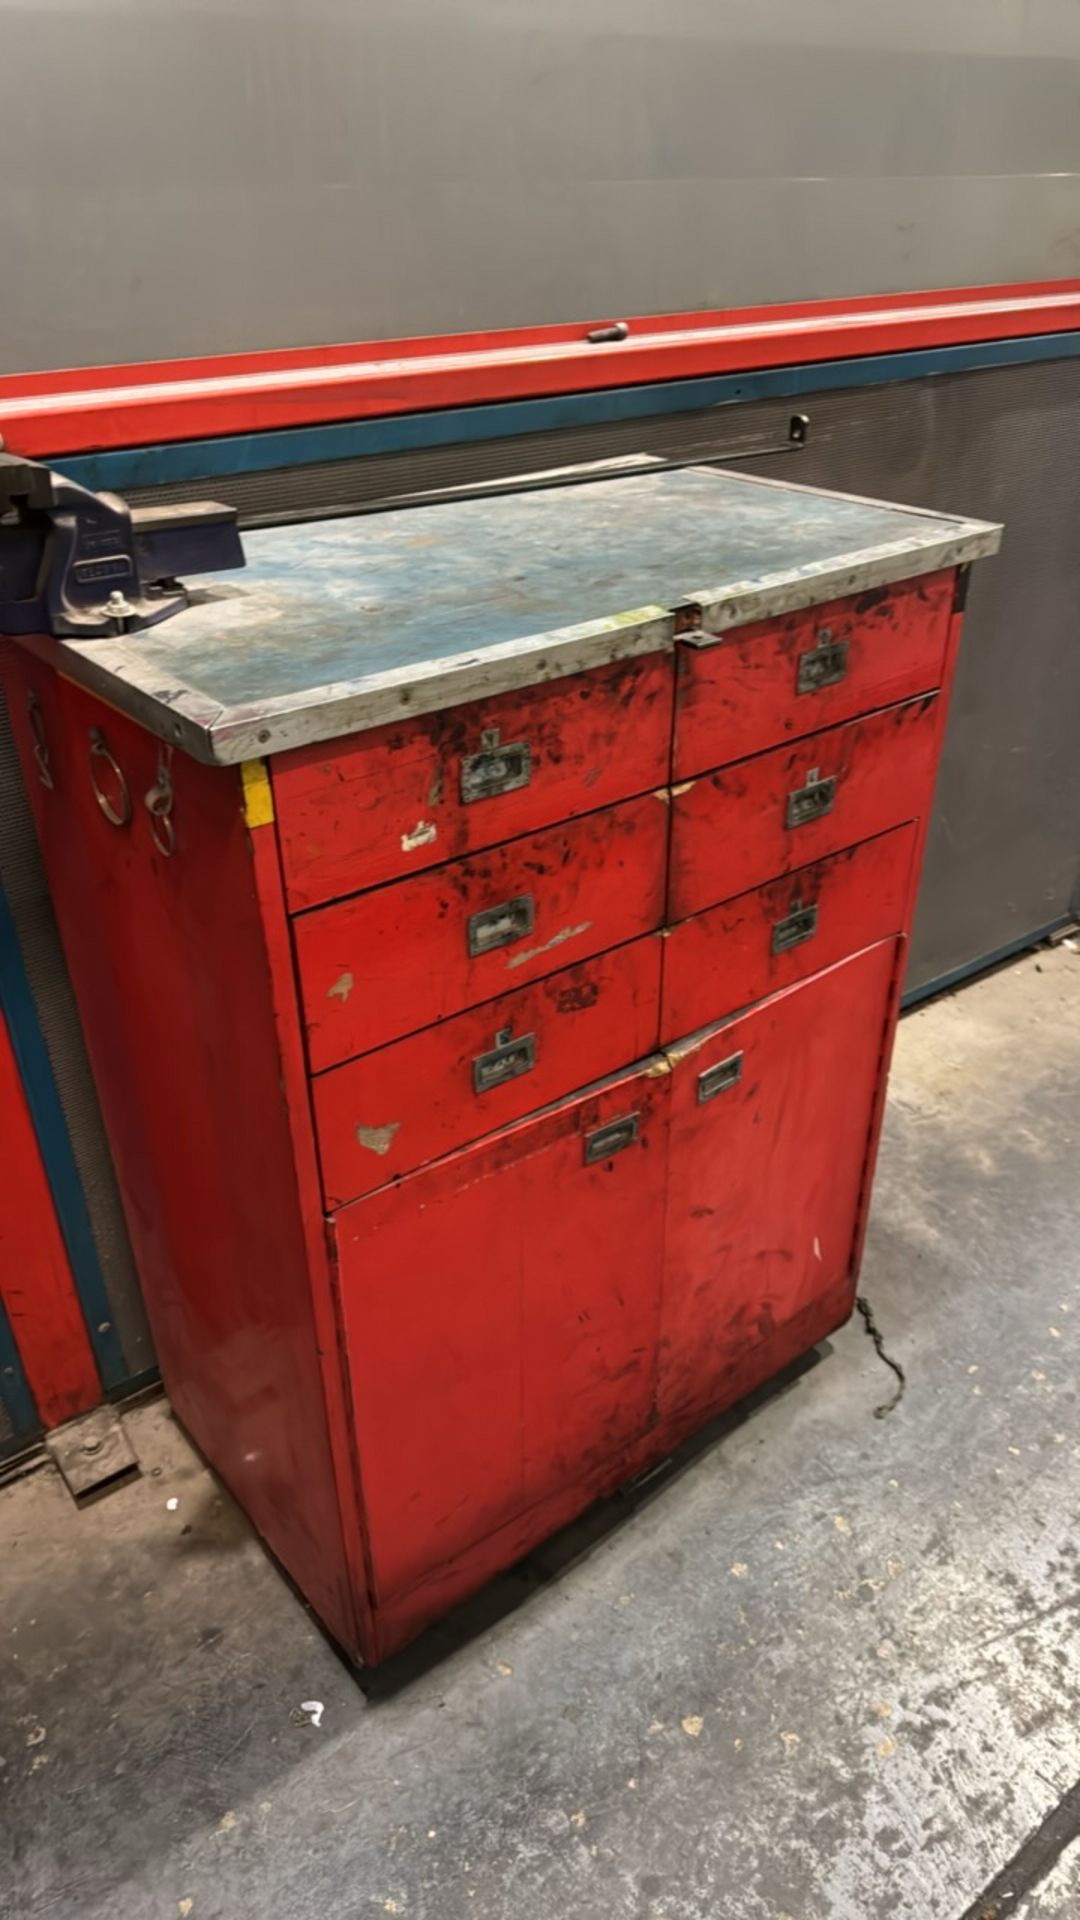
(494, 1047)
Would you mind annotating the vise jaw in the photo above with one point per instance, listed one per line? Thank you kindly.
(77, 564)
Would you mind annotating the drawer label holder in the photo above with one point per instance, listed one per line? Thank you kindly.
(500, 926)
(496, 769)
(813, 801)
(796, 927)
(604, 1142)
(824, 665)
(719, 1078)
(507, 1060)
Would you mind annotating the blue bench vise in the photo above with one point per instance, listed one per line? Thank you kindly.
(77, 564)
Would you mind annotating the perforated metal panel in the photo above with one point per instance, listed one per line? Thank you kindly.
(1002, 443)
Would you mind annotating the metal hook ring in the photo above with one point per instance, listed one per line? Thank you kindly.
(162, 833)
(159, 803)
(99, 751)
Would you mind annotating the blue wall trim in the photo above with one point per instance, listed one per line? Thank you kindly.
(198, 460)
(35, 1070)
(959, 976)
(15, 1392)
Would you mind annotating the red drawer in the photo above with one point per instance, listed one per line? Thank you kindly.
(757, 686)
(499, 1313)
(403, 1105)
(392, 961)
(736, 953)
(358, 812)
(737, 828)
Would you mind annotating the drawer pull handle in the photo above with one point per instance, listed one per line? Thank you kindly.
(726, 1073)
(813, 801)
(501, 926)
(824, 665)
(799, 925)
(496, 769)
(604, 1142)
(506, 1061)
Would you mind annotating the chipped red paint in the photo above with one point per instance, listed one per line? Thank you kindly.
(36, 1285)
(393, 1110)
(390, 961)
(453, 1580)
(781, 679)
(883, 768)
(733, 954)
(81, 410)
(766, 1174)
(390, 802)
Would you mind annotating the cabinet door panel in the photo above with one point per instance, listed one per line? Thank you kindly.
(500, 1315)
(771, 1121)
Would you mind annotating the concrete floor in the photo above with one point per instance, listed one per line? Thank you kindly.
(829, 1669)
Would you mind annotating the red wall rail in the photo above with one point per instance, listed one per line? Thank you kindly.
(86, 409)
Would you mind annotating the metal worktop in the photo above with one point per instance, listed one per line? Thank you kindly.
(341, 625)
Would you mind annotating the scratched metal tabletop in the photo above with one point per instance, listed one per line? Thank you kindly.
(343, 624)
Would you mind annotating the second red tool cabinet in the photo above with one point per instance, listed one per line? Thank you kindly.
(494, 1041)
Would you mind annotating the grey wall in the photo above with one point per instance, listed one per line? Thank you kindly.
(205, 175)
